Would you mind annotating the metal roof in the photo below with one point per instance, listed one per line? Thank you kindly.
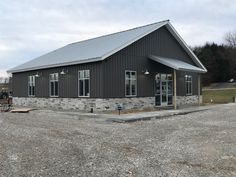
(176, 64)
(89, 50)
(98, 49)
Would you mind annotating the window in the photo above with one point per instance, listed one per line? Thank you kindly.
(54, 88)
(130, 83)
(31, 85)
(188, 84)
(84, 88)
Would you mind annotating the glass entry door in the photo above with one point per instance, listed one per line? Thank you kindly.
(163, 89)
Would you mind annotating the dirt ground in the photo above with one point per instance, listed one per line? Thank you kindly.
(51, 143)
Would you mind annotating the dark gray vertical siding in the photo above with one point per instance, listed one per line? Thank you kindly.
(20, 85)
(135, 57)
(114, 75)
(68, 83)
(181, 87)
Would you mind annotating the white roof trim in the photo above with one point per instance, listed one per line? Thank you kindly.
(176, 64)
(184, 45)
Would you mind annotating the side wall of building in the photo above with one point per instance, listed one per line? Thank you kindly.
(68, 83)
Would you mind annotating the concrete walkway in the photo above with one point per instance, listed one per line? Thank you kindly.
(153, 115)
(132, 117)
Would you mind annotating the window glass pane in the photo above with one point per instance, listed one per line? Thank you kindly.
(86, 73)
(81, 88)
(81, 74)
(163, 98)
(169, 77)
(33, 80)
(56, 76)
(51, 77)
(157, 77)
(33, 90)
(190, 88)
(157, 99)
(127, 87)
(133, 87)
(29, 90)
(157, 87)
(186, 86)
(133, 75)
(169, 99)
(56, 88)
(86, 87)
(163, 77)
(52, 88)
(169, 87)
(127, 75)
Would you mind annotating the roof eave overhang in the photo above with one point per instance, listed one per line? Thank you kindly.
(155, 58)
(55, 65)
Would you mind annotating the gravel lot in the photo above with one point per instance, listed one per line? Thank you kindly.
(50, 143)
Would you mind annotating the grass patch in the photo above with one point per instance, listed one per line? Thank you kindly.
(218, 96)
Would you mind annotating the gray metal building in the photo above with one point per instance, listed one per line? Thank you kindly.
(142, 67)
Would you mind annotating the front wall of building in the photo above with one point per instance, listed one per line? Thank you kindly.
(135, 57)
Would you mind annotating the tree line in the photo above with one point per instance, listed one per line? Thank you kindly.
(219, 59)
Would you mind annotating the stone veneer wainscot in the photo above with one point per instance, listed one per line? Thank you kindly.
(85, 104)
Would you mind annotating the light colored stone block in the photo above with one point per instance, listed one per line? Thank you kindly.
(85, 104)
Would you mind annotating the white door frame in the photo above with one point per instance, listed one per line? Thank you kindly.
(166, 81)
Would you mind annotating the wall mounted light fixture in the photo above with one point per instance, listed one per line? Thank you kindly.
(146, 72)
(37, 74)
(63, 72)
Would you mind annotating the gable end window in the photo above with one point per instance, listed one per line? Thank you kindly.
(53, 84)
(31, 85)
(130, 83)
(188, 84)
(84, 83)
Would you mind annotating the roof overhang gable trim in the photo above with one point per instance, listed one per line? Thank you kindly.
(168, 62)
(185, 46)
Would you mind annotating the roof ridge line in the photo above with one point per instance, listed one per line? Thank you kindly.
(119, 32)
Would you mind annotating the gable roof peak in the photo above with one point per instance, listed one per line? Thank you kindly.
(130, 29)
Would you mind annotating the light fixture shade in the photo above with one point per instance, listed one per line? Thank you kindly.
(62, 72)
(146, 72)
(37, 75)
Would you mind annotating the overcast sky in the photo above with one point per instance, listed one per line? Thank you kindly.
(30, 28)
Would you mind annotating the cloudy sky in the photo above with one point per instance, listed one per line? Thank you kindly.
(30, 28)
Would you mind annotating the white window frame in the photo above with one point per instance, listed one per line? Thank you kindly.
(53, 80)
(83, 79)
(31, 84)
(130, 95)
(189, 84)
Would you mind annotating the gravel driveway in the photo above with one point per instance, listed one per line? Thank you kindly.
(50, 143)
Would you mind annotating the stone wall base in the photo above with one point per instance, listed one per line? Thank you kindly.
(187, 100)
(85, 104)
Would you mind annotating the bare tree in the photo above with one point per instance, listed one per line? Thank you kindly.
(4, 80)
(230, 39)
